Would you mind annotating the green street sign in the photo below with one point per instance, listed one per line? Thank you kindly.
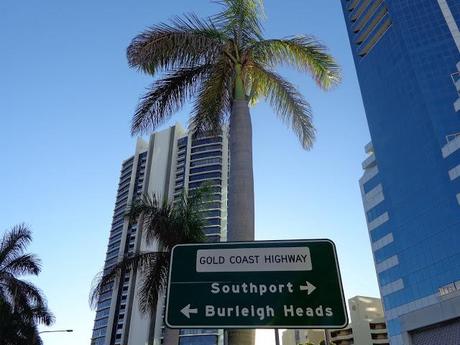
(261, 284)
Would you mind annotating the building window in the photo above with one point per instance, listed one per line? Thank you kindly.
(205, 168)
(206, 154)
(205, 176)
(212, 221)
(204, 141)
(198, 340)
(207, 148)
(214, 213)
(211, 182)
(198, 331)
(216, 160)
(211, 230)
(212, 239)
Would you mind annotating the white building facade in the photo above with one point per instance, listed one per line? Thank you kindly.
(169, 163)
(367, 326)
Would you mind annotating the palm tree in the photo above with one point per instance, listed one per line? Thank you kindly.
(167, 225)
(21, 326)
(224, 64)
(22, 305)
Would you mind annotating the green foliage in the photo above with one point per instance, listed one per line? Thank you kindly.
(221, 58)
(166, 225)
(22, 305)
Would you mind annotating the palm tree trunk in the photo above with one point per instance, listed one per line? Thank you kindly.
(240, 226)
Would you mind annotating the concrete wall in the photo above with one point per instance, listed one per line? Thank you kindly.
(156, 183)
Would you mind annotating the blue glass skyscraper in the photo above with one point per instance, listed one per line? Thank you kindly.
(407, 57)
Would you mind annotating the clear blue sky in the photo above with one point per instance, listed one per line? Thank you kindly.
(66, 98)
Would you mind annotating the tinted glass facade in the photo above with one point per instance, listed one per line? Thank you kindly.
(202, 160)
(407, 59)
(110, 325)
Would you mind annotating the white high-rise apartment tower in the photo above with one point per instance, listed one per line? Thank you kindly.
(169, 163)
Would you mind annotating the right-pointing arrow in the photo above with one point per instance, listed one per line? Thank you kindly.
(187, 311)
(309, 287)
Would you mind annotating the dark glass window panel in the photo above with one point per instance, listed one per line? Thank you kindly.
(205, 176)
(206, 154)
(205, 168)
(204, 141)
(207, 148)
(198, 340)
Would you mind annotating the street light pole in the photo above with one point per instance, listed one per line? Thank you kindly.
(58, 331)
(34, 337)
(277, 337)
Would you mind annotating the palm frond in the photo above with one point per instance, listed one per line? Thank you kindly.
(168, 224)
(241, 19)
(154, 281)
(36, 314)
(166, 96)
(288, 103)
(14, 242)
(41, 315)
(22, 305)
(104, 279)
(19, 327)
(186, 42)
(155, 218)
(196, 198)
(187, 219)
(214, 99)
(304, 53)
(145, 204)
(23, 264)
(22, 293)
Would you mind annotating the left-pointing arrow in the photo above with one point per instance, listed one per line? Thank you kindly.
(187, 310)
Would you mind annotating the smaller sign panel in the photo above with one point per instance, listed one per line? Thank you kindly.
(261, 284)
(258, 260)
